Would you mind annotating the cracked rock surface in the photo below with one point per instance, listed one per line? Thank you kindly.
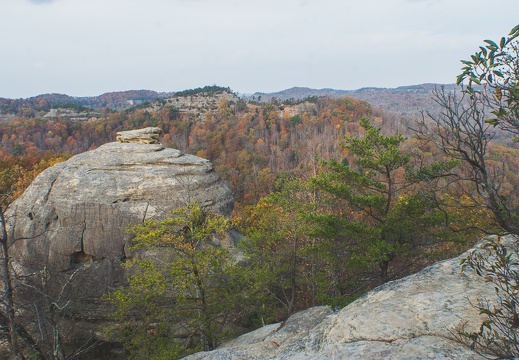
(75, 214)
(410, 318)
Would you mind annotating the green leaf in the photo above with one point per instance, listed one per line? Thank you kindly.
(475, 80)
(515, 31)
(493, 122)
(492, 45)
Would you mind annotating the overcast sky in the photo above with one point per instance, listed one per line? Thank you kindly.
(89, 47)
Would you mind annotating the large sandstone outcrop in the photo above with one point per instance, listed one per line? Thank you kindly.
(411, 318)
(75, 214)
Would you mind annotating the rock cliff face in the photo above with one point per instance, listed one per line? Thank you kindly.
(75, 214)
(411, 318)
(198, 104)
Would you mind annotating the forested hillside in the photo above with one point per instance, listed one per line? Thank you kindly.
(249, 143)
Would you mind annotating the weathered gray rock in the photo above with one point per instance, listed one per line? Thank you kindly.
(411, 318)
(75, 214)
(149, 135)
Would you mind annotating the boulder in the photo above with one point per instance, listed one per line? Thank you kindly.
(149, 135)
(73, 218)
(411, 318)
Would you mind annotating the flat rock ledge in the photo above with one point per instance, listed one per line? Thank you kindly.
(411, 318)
(149, 135)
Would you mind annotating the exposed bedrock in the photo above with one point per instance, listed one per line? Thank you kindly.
(75, 214)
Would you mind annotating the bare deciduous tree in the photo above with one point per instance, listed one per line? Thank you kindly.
(33, 307)
(461, 132)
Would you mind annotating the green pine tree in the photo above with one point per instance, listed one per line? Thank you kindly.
(385, 215)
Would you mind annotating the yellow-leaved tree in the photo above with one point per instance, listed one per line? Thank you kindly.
(184, 292)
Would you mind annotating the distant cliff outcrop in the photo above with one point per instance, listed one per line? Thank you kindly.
(198, 103)
(73, 217)
(411, 318)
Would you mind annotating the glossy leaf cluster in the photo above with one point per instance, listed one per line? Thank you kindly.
(492, 74)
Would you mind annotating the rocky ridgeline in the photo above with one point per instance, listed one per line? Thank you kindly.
(411, 318)
(198, 104)
(75, 214)
(287, 111)
(72, 115)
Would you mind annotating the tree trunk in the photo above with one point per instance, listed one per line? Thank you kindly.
(384, 268)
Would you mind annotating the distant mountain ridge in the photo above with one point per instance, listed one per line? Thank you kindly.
(118, 100)
(298, 93)
(407, 100)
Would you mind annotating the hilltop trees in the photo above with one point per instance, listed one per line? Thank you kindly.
(250, 149)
